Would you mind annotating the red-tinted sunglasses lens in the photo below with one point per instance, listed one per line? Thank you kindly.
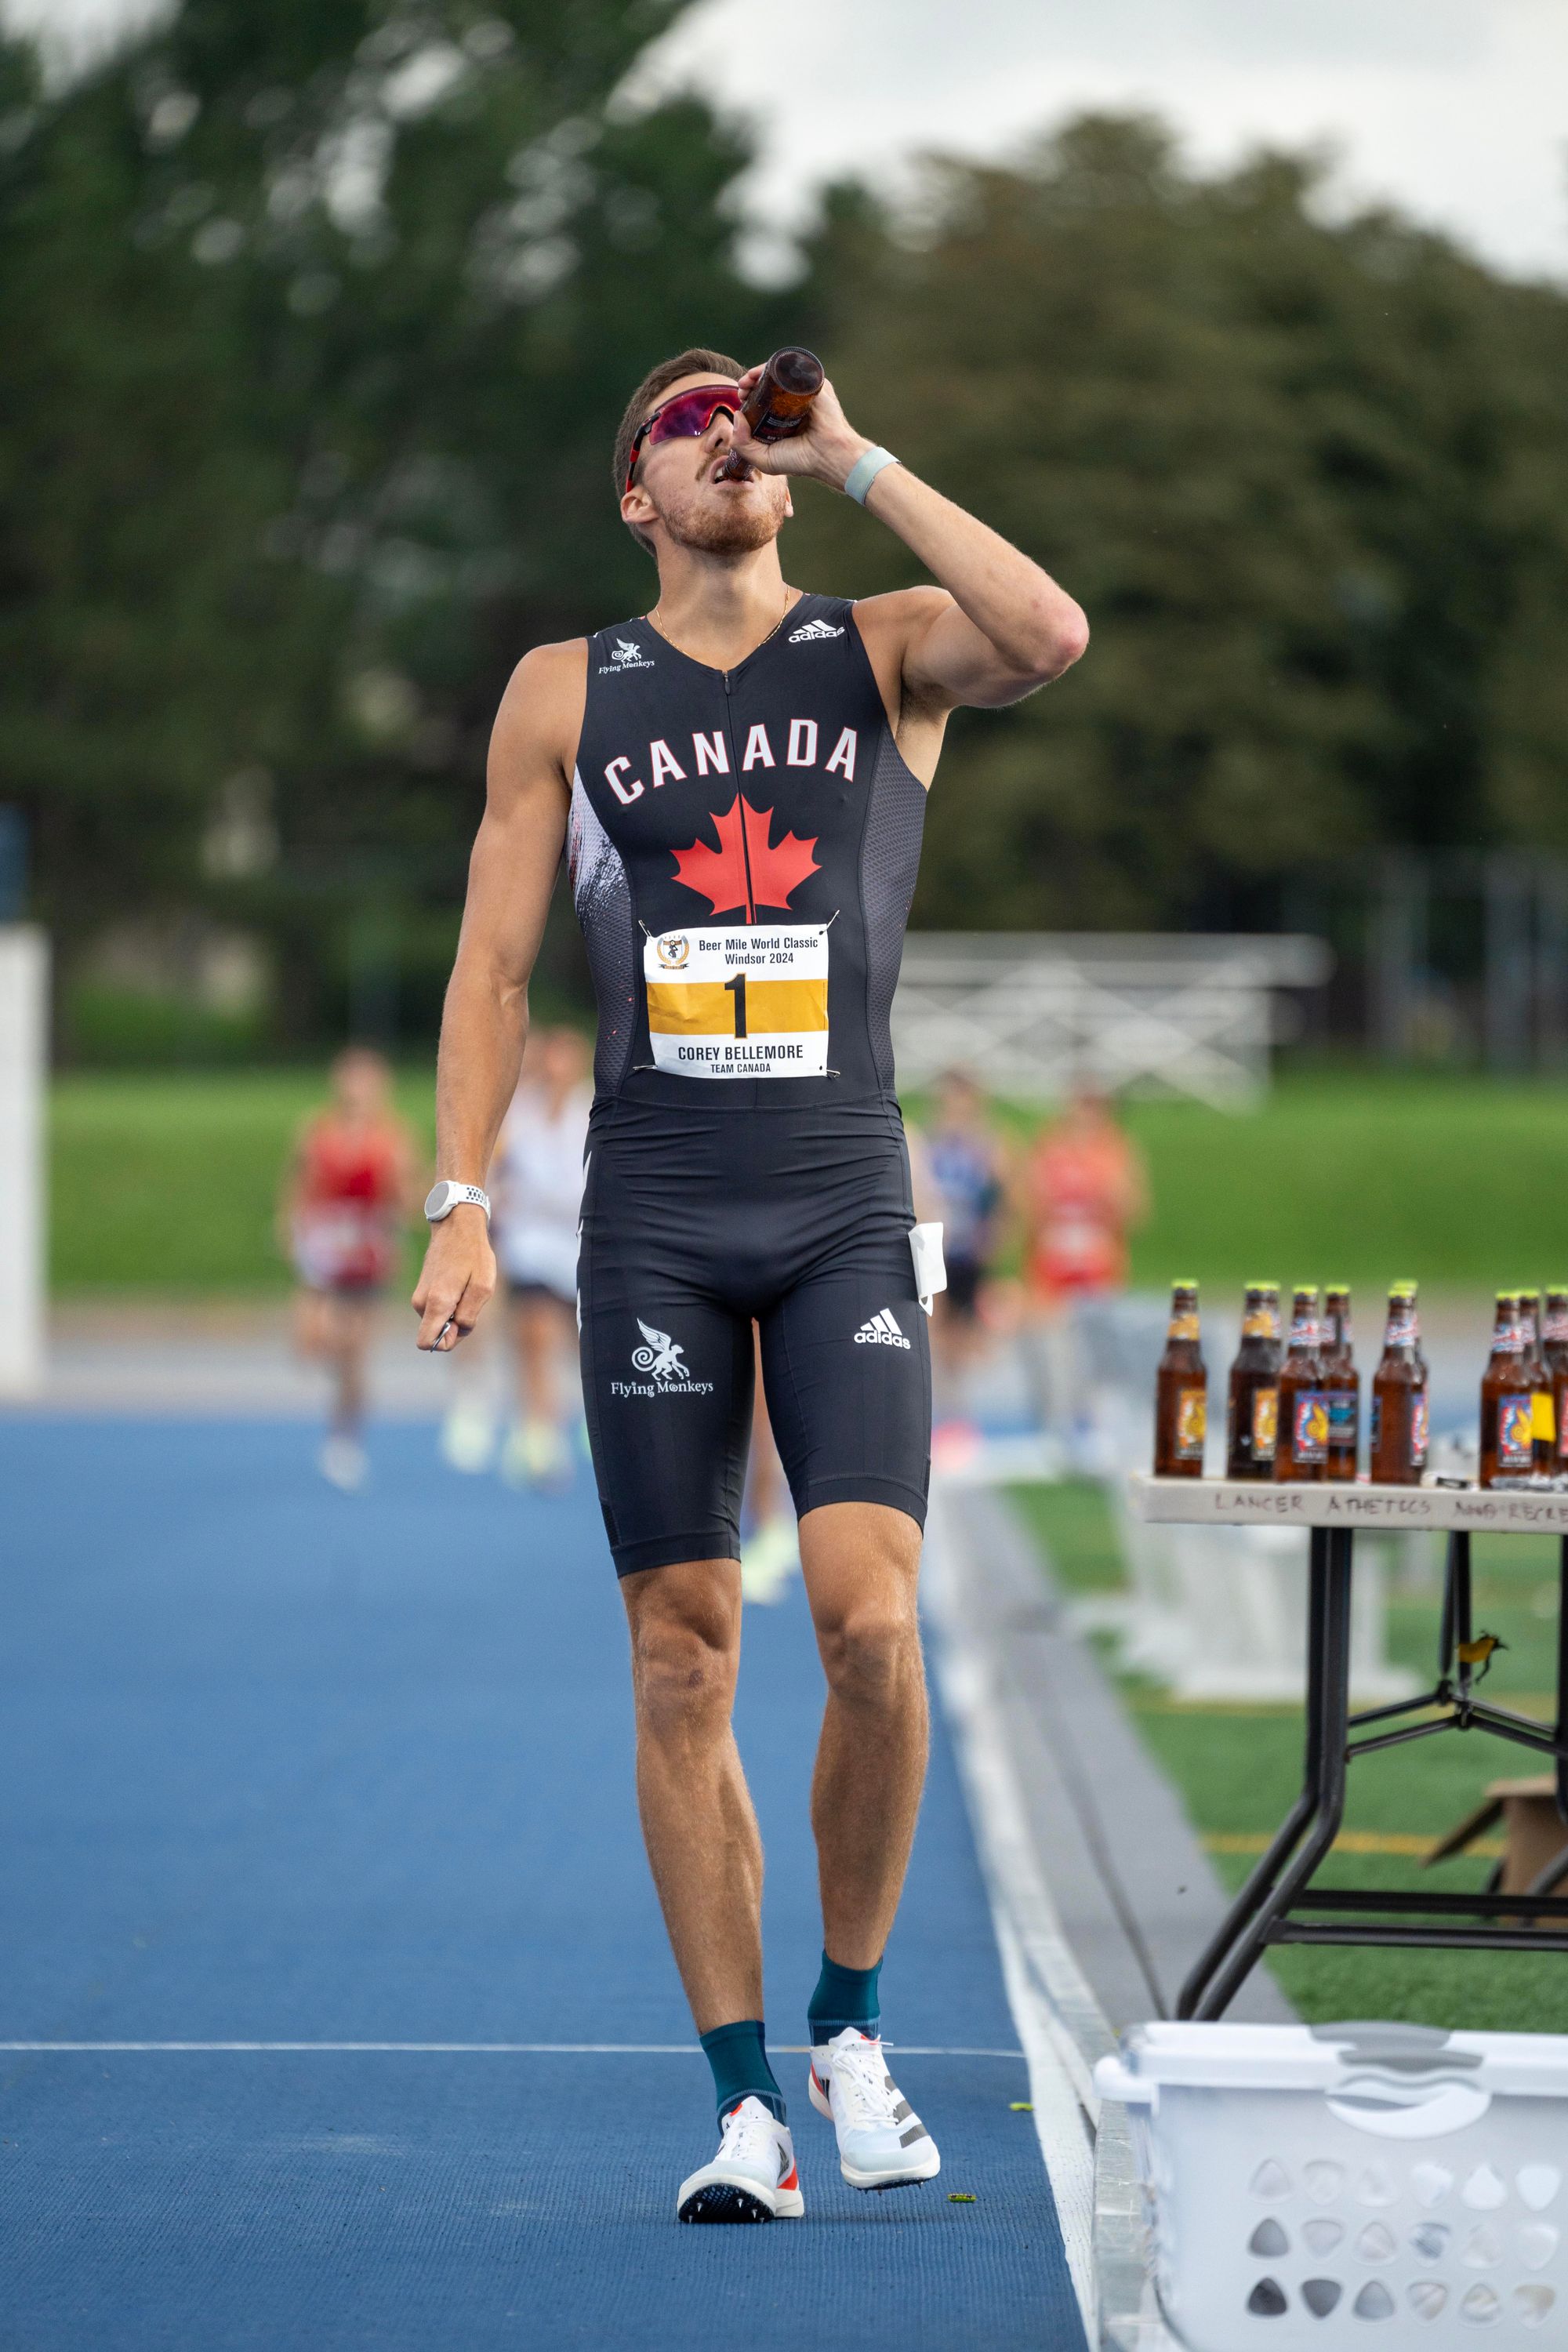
(685, 418)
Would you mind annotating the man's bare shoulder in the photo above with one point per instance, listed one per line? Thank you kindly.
(541, 713)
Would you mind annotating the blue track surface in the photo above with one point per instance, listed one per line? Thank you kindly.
(281, 1765)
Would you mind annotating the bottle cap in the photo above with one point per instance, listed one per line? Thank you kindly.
(1402, 1290)
(1508, 1298)
(1183, 1286)
(1263, 1286)
(1305, 1290)
(1338, 1289)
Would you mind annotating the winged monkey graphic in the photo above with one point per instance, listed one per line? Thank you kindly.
(662, 1357)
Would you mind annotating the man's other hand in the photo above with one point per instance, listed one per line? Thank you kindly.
(456, 1280)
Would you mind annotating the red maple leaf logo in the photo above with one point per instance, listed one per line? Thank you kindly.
(745, 871)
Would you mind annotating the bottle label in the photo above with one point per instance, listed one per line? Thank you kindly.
(1192, 1423)
(1555, 1327)
(1420, 1422)
(1306, 1331)
(1265, 1423)
(1403, 1327)
(1260, 1323)
(1543, 1417)
(1183, 1326)
(1309, 1426)
(1515, 1437)
(1508, 1343)
(1343, 1418)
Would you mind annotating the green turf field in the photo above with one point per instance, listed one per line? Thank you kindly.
(165, 1182)
(1239, 1770)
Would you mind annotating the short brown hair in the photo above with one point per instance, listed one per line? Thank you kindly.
(699, 361)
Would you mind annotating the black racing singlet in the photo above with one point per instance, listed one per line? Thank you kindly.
(742, 850)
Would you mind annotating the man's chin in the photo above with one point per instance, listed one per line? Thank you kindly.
(728, 527)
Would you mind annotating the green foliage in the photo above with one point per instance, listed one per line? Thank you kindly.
(320, 319)
(1306, 476)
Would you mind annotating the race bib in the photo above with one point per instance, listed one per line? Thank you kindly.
(750, 1002)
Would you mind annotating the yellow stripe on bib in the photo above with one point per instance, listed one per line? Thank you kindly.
(702, 1008)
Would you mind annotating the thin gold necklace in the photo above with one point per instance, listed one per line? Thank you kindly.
(790, 602)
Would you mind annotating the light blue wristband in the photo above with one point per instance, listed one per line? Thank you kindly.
(864, 472)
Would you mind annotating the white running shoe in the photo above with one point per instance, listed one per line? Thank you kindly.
(769, 1557)
(752, 2179)
(882, 2143)
(536, 1454)
(342, 1463)
(467, 1439)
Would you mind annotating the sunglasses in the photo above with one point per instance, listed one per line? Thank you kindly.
(685, 418)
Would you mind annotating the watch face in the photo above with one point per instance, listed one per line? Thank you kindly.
(438, 1199)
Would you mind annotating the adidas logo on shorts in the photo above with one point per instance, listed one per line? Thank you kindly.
(882, 1331)
(810, 630)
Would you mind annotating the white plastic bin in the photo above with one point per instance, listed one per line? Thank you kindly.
(1377, 2185)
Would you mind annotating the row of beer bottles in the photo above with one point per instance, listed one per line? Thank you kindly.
(1294, 1409)
(1296, 1416)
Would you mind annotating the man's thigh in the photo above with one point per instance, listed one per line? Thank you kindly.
(667, 1388)
(847, 1368)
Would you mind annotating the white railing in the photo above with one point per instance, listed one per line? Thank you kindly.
(1032, 1013)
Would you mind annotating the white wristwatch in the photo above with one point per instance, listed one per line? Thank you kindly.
(445, 1196)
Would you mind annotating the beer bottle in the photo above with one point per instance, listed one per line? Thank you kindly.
(1399, 1402)
(1181, 1391)
(1252, 1411)
(1543, 1408)
(1508, 1384)
(1341, 1381)
(1554, 1347)
(1302, 1452)
(778, 406)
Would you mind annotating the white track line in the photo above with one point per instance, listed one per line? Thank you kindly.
(459, 2049)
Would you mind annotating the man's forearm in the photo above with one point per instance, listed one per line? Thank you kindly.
(483, 1028)
(1033, 624)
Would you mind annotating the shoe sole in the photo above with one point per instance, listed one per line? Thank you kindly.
(704, 2198)
(905, 2179)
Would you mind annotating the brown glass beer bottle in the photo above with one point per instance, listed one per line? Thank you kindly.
(1399, 1399)
(1252, 1408)
(778, 406)
(1181, 1391)
(1302, 1450)
(1342, 1383)
(1554, 1347)
(1543, 1408)
(1508, 1384)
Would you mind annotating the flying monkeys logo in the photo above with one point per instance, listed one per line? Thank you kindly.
(746, 870)
(664, 1361)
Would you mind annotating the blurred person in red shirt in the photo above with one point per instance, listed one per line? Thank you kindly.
(350, 1186)
(1083, 1190)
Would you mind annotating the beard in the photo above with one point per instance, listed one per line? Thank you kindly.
(724, 526)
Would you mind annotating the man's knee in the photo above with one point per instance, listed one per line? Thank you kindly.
(683, 1658)
(870, 1650)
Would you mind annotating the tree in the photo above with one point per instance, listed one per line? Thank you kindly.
(1305, 475)
(323, 316)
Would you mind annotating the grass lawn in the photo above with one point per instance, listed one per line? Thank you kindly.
(1239, 1768)
(165, 1182)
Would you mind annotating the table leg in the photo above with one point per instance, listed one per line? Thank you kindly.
(1330, 1703)
(1261, 1881)
(1456, 1611)
(1562, 1677)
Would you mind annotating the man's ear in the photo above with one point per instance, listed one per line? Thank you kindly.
(789, 508)
(638, 508)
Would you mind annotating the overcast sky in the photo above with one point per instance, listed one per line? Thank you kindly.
(1456, 109)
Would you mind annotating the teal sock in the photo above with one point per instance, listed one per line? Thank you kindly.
(739, 2057)
(844, 1997)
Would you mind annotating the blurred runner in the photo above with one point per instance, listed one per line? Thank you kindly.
(538, 1185)
(965, 1168)
(770, 1538)
(1084, 1189)
(353, 1181)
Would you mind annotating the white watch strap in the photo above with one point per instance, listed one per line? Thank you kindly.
(460, 1196)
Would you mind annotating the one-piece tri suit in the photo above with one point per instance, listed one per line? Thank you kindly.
(742, 850)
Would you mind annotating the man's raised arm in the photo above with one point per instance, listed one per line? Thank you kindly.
(485, 1021)
(997, 627)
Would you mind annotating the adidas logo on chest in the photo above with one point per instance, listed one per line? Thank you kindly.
(882, 1331)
